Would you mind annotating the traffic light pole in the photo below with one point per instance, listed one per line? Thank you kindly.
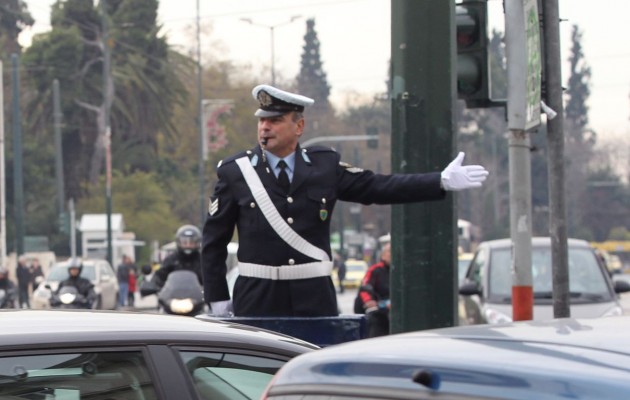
(423, 279)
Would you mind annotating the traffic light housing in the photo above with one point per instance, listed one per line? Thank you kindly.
(473, 84)
(372, 131)
(64, 222)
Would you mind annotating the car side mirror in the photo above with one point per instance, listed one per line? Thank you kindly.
(469, 288)
(622, 286)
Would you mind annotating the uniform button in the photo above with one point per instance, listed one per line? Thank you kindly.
(290, 199)
(291, 261)
(252, 204)
(290, 220)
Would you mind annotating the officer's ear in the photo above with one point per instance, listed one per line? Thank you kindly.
(300, 126)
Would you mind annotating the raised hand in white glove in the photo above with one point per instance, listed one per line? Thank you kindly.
(221, 308)
(458, 177)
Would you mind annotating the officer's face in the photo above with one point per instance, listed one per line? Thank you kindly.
(282, 133)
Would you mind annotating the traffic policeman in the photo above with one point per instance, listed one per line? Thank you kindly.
(280, 197)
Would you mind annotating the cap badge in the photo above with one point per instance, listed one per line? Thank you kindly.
(265, 99)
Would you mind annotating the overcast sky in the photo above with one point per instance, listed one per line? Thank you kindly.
(355, 42)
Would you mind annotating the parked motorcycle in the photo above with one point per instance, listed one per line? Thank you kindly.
(181, 294)
(7, 298)
(69, 297)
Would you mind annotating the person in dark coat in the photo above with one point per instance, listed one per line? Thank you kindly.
(23, 274)
(280, 197)
(37, 274)
(374, 294)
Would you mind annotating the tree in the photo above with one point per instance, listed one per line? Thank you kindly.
(578, 88)
(580, 140)
(311, 82)
(14, 17)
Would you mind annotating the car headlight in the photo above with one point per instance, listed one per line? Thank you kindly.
(495, 317)
(613, 312)
(181, 306)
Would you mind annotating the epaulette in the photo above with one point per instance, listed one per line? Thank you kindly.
(234, 157)
(318, 149)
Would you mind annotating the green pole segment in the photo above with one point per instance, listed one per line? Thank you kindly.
(423, 280)
(18, 183)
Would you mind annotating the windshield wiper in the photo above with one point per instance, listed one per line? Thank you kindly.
(589, 296)
(543, 295)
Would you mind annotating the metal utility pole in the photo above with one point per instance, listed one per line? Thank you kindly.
(524, 86)
(272, 29)
(58, 150)
(3, 191)
(202, 142)
(107, 99)
(423, 279)
(18, 184)
(555, 161)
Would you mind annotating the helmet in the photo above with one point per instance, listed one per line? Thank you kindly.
(188, 239)
(75, 263)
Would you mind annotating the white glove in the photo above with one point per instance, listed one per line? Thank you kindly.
(221, 308)
(457, 177)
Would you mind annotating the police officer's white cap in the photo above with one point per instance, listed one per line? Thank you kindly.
(275, 102)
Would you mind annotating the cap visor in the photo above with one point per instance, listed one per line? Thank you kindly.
(267, 114)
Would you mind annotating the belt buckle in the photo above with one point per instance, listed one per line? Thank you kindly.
(275, 273)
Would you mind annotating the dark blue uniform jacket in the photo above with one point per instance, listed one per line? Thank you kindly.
(319, 180)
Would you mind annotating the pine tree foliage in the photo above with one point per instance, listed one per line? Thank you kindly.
(312, 82)
(312, 78)
(578, 89)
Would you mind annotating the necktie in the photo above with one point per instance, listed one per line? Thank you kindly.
(283, 177)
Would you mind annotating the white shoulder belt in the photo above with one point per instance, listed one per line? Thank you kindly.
(273, 216)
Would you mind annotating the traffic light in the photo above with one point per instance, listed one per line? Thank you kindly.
(471, 19)
(372, 131)
(64, 222)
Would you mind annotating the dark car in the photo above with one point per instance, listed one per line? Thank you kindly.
(553, 359)
(76, 354)
(486, 293)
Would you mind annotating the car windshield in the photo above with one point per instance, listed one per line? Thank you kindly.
(60, 273)
(585, 276)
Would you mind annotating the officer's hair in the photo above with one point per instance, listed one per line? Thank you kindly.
(297, 116)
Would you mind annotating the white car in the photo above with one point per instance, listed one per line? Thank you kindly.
(99, 272)
(486, 292)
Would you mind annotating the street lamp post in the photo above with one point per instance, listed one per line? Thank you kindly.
(272, 34)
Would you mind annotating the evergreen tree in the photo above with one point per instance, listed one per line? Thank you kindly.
(580, 140)
(578, 89)
(311, 82)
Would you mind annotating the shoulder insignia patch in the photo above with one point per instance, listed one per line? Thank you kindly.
(214, 206)
(350, 168)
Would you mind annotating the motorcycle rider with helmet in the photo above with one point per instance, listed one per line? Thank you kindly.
(83, 286)
(187, 256)
(9, 289)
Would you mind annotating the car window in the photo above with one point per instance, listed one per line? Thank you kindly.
(221, 376)
(475, 271)
(585, 275)
(76, 376)
(106, 270)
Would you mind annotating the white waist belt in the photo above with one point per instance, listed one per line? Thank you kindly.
(286, 272)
